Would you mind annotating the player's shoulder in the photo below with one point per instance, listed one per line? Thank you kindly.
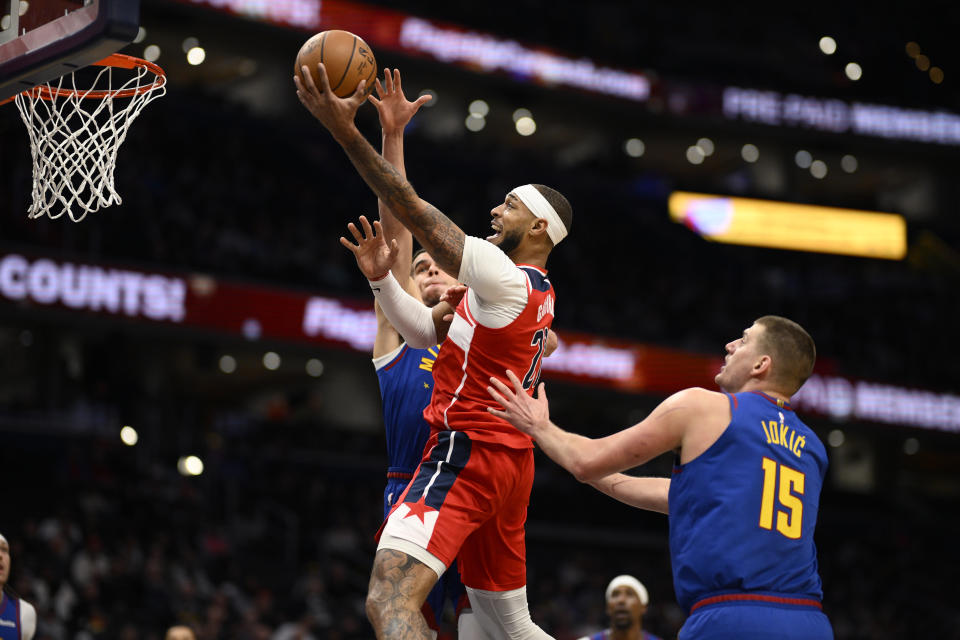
(700, 397)
(539, 281)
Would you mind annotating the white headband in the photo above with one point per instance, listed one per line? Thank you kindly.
(633, 583)
(3, 539)
(540, 208)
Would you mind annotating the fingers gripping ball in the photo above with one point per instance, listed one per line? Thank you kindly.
(347, 58)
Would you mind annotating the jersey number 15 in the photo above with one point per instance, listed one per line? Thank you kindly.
(790, 518)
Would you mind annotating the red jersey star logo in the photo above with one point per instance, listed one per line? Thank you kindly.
(418, 509)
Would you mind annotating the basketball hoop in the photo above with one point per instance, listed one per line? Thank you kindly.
(75, 134)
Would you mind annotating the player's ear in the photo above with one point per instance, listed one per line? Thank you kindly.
(539, 227)
(762, 365)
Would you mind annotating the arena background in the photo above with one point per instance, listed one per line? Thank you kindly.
(248, 352)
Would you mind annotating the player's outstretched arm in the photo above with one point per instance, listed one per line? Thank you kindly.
(532, 416)
(651, 494)
(435, 231)
(411, 318)
(591, 459)
(395, 113)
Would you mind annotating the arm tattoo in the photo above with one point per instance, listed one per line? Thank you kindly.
(436, 232)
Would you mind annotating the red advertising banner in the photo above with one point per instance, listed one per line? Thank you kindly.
(390, 30)
(255, 311)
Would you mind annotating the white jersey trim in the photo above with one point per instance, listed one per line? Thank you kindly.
(461, 333)
(387, 358)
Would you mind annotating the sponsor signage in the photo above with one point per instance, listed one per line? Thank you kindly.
(837, 116)
(784, 225)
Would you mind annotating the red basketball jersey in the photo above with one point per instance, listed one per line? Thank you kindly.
(472, 353)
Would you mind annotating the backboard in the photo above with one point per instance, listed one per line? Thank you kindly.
(43, 39)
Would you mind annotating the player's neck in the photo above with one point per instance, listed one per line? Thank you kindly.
(761, 387)
(532, 257)
(634, 632)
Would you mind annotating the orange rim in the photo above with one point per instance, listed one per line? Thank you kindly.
(118, 60)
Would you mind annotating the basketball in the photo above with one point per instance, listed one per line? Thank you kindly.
(347, 58)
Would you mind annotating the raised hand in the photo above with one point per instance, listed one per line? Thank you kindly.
(394, 108)
(453, 295)
(335, 113)
(519, 409)
(373, 255)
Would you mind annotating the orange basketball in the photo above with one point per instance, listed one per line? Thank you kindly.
(347, 58)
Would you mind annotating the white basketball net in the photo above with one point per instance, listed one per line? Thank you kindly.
(75, 135)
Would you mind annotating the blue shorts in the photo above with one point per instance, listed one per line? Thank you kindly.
(756, 621)
(448, 587)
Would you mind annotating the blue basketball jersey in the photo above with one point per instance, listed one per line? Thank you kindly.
(406, 384)
(742, 514)
(9, 617)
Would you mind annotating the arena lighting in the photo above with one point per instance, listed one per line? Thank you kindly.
(844, 400)
(783, 225)
(836, 438)
(836, 116)
(196, 55)
(190, 466)
(479, 108)
(228, 364)
(474, 122)
(750, 153)
(526, 126)
(314, 367)
(634, 147)
(129, 436)
(151, 53)
(271, 360)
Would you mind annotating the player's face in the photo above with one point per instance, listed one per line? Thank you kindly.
(624, 607)
(4, 562)
(511, 221)
(742, 355)
(431, 281)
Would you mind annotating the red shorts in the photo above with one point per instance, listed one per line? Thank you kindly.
(468, 501)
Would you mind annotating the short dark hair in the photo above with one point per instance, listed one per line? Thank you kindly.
(793, 350)
(413, 260)
(559, 203)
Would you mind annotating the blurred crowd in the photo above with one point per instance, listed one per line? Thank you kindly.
(266, 545)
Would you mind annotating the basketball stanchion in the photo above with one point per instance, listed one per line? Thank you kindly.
(75, 133)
